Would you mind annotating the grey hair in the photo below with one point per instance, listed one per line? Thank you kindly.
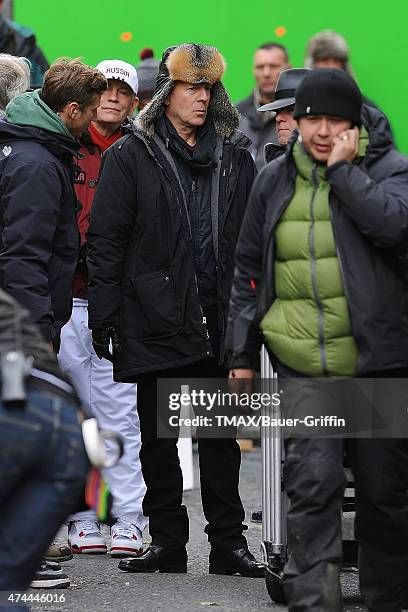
(328, 44)
(14, 77)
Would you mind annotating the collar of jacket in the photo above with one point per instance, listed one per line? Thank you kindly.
(272, 151)
(305, 165)
(237, 139)
(215, 185)
(379, 132)
(261, 119)
(30, 110)
(29, 118)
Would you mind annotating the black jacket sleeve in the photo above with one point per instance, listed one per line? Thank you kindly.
(243, 338)
(18, 330)
(112, 219)
(379, 209)
(30, 205)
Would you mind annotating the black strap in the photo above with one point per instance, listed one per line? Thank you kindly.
(170, 160)
(284, 93)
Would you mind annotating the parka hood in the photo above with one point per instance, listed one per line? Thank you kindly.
(29, 110)
(379, 131)
(27, 117)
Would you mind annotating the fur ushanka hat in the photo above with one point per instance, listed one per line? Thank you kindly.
(193, 64)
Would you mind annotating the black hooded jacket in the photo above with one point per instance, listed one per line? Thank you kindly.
(141, 256)
(369, 212)
(39, 239)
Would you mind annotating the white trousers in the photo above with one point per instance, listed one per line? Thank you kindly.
(113, 405)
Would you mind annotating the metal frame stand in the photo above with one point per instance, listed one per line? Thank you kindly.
(274, 503)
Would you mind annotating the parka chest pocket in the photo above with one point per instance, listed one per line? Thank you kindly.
(157, 308)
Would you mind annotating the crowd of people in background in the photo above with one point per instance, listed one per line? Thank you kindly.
(138, 243)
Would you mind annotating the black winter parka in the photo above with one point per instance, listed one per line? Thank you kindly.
(369, 212)
(39, 238)
(140, 262)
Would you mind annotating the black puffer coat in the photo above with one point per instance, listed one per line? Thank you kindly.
(140, 262)
(369, 212)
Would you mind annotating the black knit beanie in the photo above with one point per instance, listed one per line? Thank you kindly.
(328, 91)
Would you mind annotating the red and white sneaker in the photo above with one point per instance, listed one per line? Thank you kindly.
(126, 539)
(86, 537)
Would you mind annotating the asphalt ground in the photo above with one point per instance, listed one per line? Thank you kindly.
(98, 586)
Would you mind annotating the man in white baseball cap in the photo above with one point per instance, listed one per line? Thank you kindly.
(121, 71)
(113, 404)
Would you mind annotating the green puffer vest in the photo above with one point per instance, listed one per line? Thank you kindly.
(308, 326)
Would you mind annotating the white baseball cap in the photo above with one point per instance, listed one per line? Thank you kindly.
(117, 69)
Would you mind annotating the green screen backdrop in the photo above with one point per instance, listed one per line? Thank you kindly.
(102, 29)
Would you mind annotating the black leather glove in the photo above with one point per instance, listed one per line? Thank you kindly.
(102, 339)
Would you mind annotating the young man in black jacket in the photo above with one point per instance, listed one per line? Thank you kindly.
(164, 225)
(39, 240)
(319, 269)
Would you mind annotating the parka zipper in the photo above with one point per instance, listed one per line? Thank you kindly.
(206, 334)
(313, 270)
(203, 318)
(344, 282)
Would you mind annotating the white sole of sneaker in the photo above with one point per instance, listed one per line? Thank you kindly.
(56, 583)
(89, 550)
(123, 552)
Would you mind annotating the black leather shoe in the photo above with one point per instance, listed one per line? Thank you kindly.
(239, 561)
(256, 517)
(157, 559)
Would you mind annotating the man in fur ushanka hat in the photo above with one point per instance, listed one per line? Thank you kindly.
(167, 213)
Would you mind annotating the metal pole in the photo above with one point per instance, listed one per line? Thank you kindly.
(266, 458)
(273, 502)
(277, 462)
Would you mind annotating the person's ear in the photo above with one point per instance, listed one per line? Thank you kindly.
(134, 105)
(71, 110)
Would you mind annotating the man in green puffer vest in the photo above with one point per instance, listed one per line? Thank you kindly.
(318, 272)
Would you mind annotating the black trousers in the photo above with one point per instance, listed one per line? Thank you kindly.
(219, 459)
(314, 481)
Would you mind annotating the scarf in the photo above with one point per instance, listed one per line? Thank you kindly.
(198, 157)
